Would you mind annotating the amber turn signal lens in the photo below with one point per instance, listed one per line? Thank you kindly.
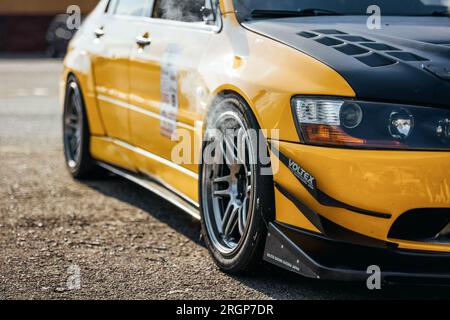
(329, 135)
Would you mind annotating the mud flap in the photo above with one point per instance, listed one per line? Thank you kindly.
(282, 252)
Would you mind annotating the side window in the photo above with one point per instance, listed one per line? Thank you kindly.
(179, 10)
(136, 8)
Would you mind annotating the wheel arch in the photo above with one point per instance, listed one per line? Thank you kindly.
(229, 89)
(222, 92)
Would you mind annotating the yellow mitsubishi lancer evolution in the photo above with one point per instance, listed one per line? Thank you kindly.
(314, 135)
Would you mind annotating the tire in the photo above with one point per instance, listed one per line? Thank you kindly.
(76, 135)
(235, 246)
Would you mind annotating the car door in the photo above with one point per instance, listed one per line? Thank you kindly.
(165, 76)
(114, 37)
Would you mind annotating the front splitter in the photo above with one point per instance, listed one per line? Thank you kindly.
(315, 256)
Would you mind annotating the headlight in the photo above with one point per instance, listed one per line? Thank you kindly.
(341, 122)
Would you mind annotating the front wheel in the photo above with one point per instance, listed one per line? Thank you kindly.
(236, 189)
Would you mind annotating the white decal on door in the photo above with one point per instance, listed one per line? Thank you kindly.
(169, 91)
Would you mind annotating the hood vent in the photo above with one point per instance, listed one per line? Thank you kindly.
(308, 35)
(329, 41)
(354, 39)
(329, 31)
(351, 50)
(375, 60)
(379, 46)
(367, 51)
(406, 56)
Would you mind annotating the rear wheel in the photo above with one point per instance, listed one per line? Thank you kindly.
(76, 133)
(236, 192)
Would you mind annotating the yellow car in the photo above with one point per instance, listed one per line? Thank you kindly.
(312, 134)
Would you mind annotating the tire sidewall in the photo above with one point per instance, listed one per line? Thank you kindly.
(85, 163)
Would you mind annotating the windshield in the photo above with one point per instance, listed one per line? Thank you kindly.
(246, 9)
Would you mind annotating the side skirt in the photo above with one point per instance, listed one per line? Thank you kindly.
(157, 188)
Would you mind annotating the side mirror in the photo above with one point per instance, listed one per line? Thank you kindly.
(208, 12)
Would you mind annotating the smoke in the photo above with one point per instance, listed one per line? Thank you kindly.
(194, 89)
(186, 10)
(196, 95)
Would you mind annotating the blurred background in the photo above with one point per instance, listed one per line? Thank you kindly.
(37, 27)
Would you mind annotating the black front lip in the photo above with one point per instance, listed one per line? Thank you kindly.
(315, 256)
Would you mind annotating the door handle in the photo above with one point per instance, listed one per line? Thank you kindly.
(143, 41)
(99, 32)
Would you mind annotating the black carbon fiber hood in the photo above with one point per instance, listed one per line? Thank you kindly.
(407, 60)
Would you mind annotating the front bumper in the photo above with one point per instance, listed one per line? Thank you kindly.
(316, 256)
(366, 192)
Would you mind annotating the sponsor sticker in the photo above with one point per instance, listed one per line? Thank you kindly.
(169, 91)
(306, 178)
